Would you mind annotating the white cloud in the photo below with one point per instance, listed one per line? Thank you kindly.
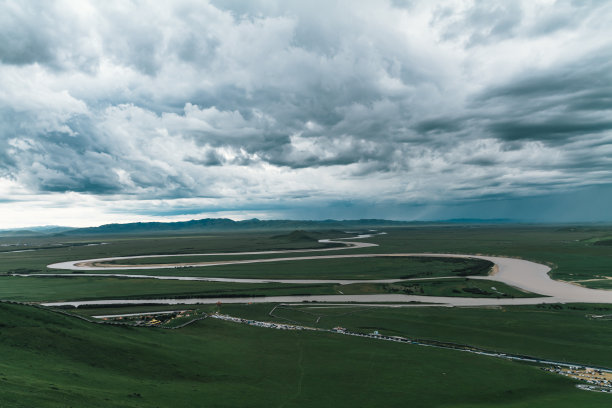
(280, 103)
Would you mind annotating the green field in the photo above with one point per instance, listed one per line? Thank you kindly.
(447, 287)
(40, 289)
(57, 360)
(71, 287)
(43, 251)
(344, 268)
(51, 360)
(598, 284)
(561, 332)
(572, 252)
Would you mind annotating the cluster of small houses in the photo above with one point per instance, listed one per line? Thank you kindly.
(151, 319)
(603, 317)
(268, 325)
(597, 380)
(284, 326)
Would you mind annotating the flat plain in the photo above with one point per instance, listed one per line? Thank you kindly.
(53, 358)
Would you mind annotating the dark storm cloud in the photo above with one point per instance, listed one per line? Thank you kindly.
(556, 129)
(279, 100)
(439, 125)
(572, 84)
(555, 104)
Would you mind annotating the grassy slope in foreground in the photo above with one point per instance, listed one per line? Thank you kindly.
(52, 360)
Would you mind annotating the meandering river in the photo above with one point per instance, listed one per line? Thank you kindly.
(525, 275)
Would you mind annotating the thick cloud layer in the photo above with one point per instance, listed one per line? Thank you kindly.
(188, 107)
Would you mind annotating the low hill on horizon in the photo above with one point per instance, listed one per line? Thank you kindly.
(225, 224)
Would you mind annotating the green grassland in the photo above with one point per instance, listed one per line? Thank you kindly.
(54, 360)
(558, 332)
(343, 268)
(561, 332)
(122, 309)
(599, 284)
(51, 360)
(448, 287)
(574, 253)
(41, 289)
(71, 287)
(570, 251)
(43, 251)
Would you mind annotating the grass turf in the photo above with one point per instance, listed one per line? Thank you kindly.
(560, 332)
(51, 360)
(444, 287)
(71, 287)
(39, 289)
(343, 268)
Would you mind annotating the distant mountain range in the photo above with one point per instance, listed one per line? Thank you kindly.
(225, 224)
(31, 231)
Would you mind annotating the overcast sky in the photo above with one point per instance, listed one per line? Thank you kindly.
(115, 111)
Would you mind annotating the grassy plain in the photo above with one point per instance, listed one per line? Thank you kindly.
(574, 252)
(447, 287)
(74, 287)
(40, 289)
(42, 251)
(561, 332)
(571, 251)
(343, 268)
(51, 360)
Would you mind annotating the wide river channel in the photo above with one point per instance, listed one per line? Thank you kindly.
(525, 275)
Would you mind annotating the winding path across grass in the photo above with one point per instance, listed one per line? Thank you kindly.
(525, 275)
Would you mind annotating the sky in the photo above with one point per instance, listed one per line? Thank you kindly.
(122, 111)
